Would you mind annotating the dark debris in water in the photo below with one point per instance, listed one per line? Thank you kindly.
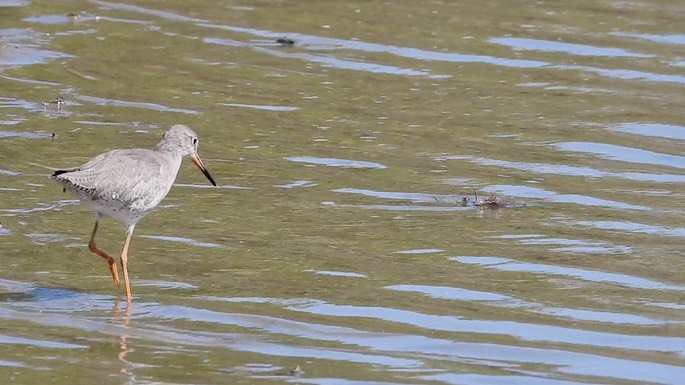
(285, 41)
(492, 202)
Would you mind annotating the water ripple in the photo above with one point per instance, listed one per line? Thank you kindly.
(261, 107)
(535, 192)
(419, 251)
(522, 331)
(318, 42)
(123, 103)
(391, 350)
(187, 241)
(557, 46)
(17, 52)
(624, 154)
(562, 169)
(511, 265)
(453, 293)
(147, 11)
(651, 129)
(678, 39)
(414, 197)
(346, 274)
(495, 299)
(625, 74)
(578, 246)
(335, 162)
(355, 65)
(9, 340)
(297, 183)
(632, 227)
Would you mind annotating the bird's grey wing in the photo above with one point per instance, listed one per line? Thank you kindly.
(79, 176)
(120, 175)
(75, 179)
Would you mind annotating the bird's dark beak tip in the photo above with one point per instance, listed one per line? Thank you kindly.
(209, 177)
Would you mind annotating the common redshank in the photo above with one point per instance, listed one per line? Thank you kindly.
(127, 184)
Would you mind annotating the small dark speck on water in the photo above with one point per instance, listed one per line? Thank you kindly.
(53, 136)
(285, 41)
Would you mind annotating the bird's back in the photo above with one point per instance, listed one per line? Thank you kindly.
(121, 183)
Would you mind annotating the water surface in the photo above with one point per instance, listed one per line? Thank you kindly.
(338, 248)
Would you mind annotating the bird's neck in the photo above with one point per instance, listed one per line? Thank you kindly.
(165, 148)
(167, 151)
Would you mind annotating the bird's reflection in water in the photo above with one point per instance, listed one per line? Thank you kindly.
(124, 317)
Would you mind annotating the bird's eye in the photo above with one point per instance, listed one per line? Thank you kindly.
(194, 141)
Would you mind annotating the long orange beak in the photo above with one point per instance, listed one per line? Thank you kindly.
(198, 162)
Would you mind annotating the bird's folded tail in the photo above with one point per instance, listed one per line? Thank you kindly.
(56, 175)
(60, 172)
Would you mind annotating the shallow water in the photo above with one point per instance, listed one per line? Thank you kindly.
(336, 248)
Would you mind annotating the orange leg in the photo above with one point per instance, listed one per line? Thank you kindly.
(110, 260)
(124, 263)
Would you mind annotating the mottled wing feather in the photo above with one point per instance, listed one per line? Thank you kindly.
(126, 176)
